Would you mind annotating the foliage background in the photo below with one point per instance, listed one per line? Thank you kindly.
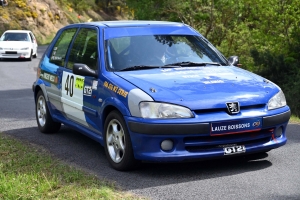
(264, 33)
(45, 17)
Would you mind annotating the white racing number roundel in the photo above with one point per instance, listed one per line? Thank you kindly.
(72, 96)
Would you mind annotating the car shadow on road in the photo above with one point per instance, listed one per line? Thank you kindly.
(81, 151)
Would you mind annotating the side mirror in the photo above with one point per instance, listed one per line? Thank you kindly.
(84, 70)
(234, 60)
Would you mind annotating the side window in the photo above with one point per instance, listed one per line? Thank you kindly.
(84, 49)
(61, 46)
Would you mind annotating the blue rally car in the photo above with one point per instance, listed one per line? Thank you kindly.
(155, 91)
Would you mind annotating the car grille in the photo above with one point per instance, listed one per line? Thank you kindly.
(242, 108)
(204, 143)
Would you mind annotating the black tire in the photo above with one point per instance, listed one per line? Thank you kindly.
(30, 58)
(43, 117)
(35, 55)
(118, 139)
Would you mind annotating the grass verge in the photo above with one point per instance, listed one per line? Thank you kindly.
(294, 119)
(28, 172)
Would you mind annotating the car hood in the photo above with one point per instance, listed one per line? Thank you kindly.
(203, 87)
(14, 45)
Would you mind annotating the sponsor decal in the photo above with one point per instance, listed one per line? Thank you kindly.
(233, 107)
(56, 58)
(95, 85)
(79, 82)
(230, 127)
(256, 124)
(87, 91)
(52, 78)
(239, 126)
(115, 89)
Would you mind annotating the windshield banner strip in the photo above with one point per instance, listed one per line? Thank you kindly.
(134, 31)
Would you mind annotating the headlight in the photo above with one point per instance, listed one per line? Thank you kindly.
(277, 101)
(26, 48)
(163, 111)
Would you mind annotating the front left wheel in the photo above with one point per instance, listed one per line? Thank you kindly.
(30, 58)
(35, 55)
(118, 147)
(43, 117)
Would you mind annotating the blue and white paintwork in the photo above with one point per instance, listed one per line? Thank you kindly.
(203, 90)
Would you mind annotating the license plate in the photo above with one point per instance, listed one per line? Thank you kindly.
(237, 126)
(234, 150)
(10, 52)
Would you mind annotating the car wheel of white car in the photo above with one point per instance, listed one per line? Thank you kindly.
(118, 146)
(35, 55)
(30, 58)
(43, 117)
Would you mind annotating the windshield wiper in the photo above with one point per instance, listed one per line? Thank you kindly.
(187, 64)
(138, 67)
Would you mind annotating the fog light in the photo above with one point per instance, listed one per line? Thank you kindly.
(278, 132)
(166, 145)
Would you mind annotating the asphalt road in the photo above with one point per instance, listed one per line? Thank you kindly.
(273, 175)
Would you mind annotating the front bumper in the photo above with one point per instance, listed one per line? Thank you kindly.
(15, 54)
(196, 128)
(193, 141)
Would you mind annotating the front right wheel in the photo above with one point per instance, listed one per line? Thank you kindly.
(118, 147)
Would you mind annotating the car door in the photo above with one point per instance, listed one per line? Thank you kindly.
(52, 65)
(79, 93)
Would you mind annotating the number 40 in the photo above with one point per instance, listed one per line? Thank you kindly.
(69, 85)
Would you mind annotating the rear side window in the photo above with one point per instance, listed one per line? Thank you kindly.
(61, 47)
(84, 49)
(32, 37)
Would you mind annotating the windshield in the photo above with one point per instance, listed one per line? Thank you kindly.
(14, 37)
(159, 50)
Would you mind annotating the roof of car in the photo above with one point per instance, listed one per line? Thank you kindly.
(18, 31)
(134, 23)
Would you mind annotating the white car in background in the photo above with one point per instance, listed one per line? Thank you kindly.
(19, 44)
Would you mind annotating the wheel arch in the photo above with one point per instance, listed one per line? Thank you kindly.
(39, 87)
(108, 109)
(111, 104)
